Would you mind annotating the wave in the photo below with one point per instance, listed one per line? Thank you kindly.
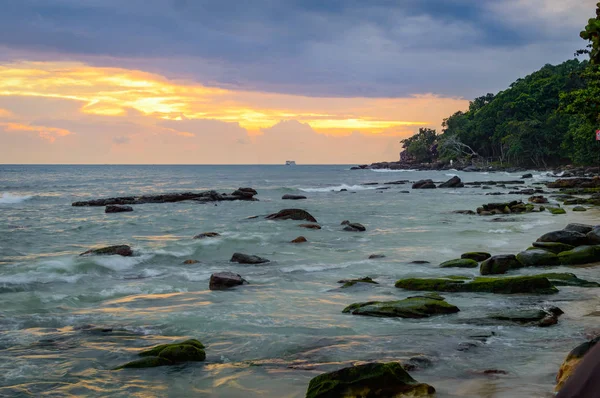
(451, 175)
(392, 171)
(8, 198)
(339, 188)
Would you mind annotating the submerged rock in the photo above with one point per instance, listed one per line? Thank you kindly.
(292, 214)
(579, 208)
(453, 182)
(190, 262)
(423, 184)
(300, 239)
(420, 262)
(207, 235)
(567, 279)
(499, 264)
(310, 226)
(351, 282)
(567, 237)
(121, 250)
(460, 263)
(570, 364)
(169, 354)
(355, 227)
(537, 257)
(530, 317)
(209, 196)
(225, 280)
(247, 259)
(293, 197)
(368, 380)
(117, 209)
(477, 256)
(553, 247)
(376, 256)
(580, 255)
(505, 285)
(416, 307)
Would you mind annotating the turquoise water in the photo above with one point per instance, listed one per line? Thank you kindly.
(267, 339)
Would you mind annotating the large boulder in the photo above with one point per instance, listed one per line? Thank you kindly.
(415, 307)
(568, 367)
(117, 209)
(247, 259)
(477, 256)
(580, 255)
(537, 257)
(169, 354)
(454, 182)
(593, 236)
(505, 285)
(368, 380)
(424, 184)
(460, 263)
(567, 237)
(355, 227)
(246, 193)
(582, 228)
(293, 197)
(292, 214)
(553, 247)
(499, 264)
(120, 250)
(225, 280)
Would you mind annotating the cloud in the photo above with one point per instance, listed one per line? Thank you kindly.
(120, 140)
(49, 134)
(336, 48)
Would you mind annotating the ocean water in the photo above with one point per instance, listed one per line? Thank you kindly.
(269, 338)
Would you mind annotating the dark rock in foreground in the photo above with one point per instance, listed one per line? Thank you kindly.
(293, 197)
(416, 307)
(568, 367)
(354, 227)
(506, 285)
(581, 228)
(580, 255)
(424, 184)
(210, 196)
(499, 264)
(247, 259)
(117, 209)
(368, 380)
(121, 250)
(169, 354)
(537, 257)
(292, 214)
(553, 247)
(454, 182)
(567, 237)
(225, 280)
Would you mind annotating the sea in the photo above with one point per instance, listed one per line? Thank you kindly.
(67, 321)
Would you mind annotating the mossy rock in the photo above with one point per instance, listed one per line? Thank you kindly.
(477, 256)
(351, 282)
(183, 353)
(536, 258)
(460, 263)
(416, 307)
(579, 208)
(568, 279)
(572, 238)
(580, 255)
(531, 317)
(506, 285)
(553, 247)
(148, 362)
(499, 264)
(556, 210)
(154, 351)
(368, 380)
(169, 354)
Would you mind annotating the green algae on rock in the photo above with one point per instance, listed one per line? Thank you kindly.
(416, 307)
(568, 279)
(477, 256)
(148, 362)
(556, 210)
(580, 255)
(460, 263)
(169, 354)
(502, 285)
(554, 247)
(368, 380)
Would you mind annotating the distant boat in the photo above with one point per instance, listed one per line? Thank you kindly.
(290, 162)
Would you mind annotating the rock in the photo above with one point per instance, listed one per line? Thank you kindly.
(579, 208)
(351, 282)
(207, 235)
(477, 256)
(293, 197)
(310, 226)
(537, 257)
(117, 209)
(400, 182)
(189, 262)
(376, 256)
(538, 199)
(345, 222)
(423, 184)
(169, 354)
(225, 280)
(454, 182)
(528, 175)
(300, 239)
(246, 193)
(416, 307)
(581, 228)
(204, 197)
(470, 212)
(575, 183)
(499, 265)
(417, 363)
(567, 279)
(553, 247)
(530, 317)
(121, 250)
(248, 259)
(368, 380)
(460, 263)
(594, 236)
(571, 363)
(567, 237)
(505, 285)
(580, 255)
(292, 214)
(355, 227)
(556, 210)
(419, 262)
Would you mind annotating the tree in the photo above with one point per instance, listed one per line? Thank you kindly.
(420, 147)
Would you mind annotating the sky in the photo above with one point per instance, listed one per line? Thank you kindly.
(261, 81)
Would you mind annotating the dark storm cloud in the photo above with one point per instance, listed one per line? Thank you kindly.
(312, 47)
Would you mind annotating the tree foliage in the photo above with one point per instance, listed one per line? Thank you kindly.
(420, 147)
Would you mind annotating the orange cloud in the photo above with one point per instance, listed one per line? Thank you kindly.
(48, 133)
(110, 92)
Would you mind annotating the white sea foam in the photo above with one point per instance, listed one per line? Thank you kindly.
(314, 268)
(8, 198)
(339, 188)
(119, 263)
(451, 175)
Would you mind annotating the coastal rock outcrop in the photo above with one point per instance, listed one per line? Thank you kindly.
(503, 285)
(424, 184)
(169, 354)
(453, 182)
(225, 280)
(580, 255)
(368, 380)
(572, 238)
(292, 214)
(553, 247)
(120, 250)
(203, 197)
(415, 307)
(117, 209)
(247, 259)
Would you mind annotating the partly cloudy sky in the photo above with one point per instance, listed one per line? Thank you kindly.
(262, 81)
